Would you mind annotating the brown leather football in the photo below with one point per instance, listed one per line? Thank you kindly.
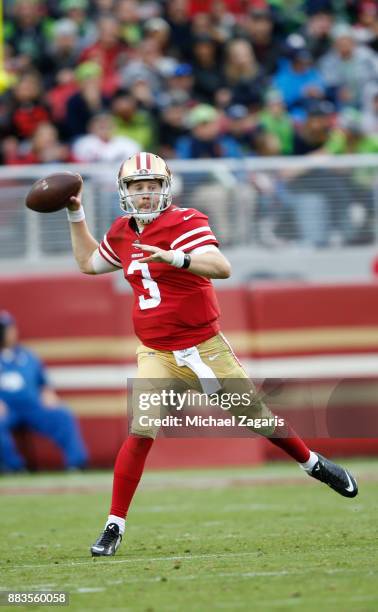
(53, 192)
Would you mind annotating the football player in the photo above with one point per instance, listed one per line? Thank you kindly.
(169, 256)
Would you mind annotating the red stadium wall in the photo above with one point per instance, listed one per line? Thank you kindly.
(81, 326)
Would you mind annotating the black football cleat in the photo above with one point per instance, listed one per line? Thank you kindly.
(108, 542)
(335, 476)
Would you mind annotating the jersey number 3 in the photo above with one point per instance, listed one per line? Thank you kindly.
(148, 283)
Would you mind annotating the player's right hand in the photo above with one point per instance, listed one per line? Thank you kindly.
(75, 201)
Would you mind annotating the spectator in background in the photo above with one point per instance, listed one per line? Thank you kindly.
(264, 143)
(275, 119)
(86, 102)
(313, 133)
(63, 51)
(238, 127)
(5, 114)
(370, 109)
(44, 148)
(347, 69)
(222, 21)
(201, 24)
(149, 65)
(349, 137)
(141, 91)
(13, 65)
(233, 7)
(77, 11)
(289, 14)
(27, 33)
(331, 207)
(58, 96)
(299, 201)
(180, 39)
(172, 123)
(157, 29)
(28, 107)
(206, 68)
(98, 8)
(101, 145)
(258, 26)
(242, 75)
(179, 79)
(214, 198)
(109, 52)
(205, 139)
(127, 14)
(206, 23)
(297, 80)
(317, 30)
(27, 399)
(132, 122)
(366, 28)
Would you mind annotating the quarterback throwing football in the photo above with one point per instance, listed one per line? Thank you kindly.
(169, 256)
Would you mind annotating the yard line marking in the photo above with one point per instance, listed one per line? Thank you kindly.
(187, 557)
(137, 560)
(195, 483)
(217, 575)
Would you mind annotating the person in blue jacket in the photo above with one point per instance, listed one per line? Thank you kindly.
(28, 400)
(299, 81)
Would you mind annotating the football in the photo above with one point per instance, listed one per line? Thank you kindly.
(53, 192)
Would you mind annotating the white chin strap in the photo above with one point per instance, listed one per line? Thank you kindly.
(147, 217)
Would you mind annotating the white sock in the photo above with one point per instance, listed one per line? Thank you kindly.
(309, 464)
(112, 518)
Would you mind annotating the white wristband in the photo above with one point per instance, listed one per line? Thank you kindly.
(178, 259)
(74, 216)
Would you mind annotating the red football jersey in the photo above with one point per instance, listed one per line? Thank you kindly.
(173, 308)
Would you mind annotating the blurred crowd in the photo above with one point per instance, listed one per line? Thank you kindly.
(98, 80)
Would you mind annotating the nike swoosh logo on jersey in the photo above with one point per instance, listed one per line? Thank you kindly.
(351, 486)
(189, 217)
(212, 357)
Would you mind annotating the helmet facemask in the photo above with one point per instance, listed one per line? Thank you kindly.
(159, 200)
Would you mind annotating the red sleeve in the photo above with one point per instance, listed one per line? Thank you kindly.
(107, 248)
(192, 230)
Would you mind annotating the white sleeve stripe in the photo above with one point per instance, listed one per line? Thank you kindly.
(183, 247)
(108, 257)
(198, 230)
(101, 265)
(207, 248)
(110, 249)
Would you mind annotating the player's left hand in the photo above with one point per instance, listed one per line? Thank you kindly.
(157, 255)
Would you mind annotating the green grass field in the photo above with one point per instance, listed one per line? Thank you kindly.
(265, 538)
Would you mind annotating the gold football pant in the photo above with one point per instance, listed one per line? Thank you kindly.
(158, 370)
